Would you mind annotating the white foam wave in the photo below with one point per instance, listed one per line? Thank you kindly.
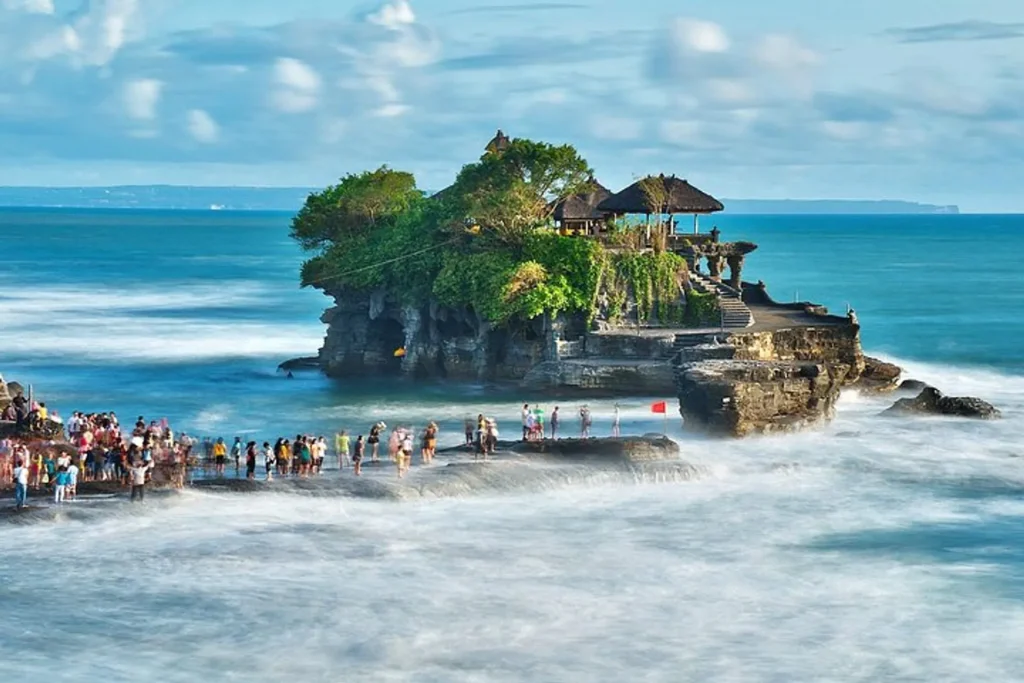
(109, 325)
(35, 304)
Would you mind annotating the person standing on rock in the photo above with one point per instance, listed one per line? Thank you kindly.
(236, 453)
(268, 460)
(357, 456)
(585, 422)
(616, 426)
(526, 421)
(341, 448)
(138, 471)
(220, 452)
(60, 487)
(20, 484)
(374, 440)
(250, 460)
(554, 423)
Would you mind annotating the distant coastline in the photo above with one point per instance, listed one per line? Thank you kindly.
(189, 198)
(834, 206)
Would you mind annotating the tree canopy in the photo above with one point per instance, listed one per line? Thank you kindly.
(512, 191)
(357, 204)
(485, 243)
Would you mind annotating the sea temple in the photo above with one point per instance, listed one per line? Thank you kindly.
(551, 280)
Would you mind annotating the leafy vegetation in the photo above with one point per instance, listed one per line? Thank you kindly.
(486, 243)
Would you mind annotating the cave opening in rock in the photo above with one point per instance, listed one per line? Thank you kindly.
(388, 336)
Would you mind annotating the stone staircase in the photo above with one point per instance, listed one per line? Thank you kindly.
(735, 313)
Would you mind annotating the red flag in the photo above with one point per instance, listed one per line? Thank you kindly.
(659, 407)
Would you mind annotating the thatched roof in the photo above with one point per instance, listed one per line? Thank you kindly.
(583, 206)
(682, 198)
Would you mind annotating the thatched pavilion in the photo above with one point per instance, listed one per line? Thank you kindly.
(661, 196)
(578, 214)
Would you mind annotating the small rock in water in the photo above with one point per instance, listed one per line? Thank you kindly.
(915, 385)
(878, 376)
(931, 401)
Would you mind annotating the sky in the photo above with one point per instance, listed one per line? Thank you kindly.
(920, 100)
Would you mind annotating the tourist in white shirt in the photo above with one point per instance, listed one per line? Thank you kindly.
(20, 484)
(72, 480)
(138, 475)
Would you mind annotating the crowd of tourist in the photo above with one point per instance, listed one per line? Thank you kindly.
(96, 448)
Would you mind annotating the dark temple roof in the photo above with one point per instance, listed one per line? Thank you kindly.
(583, 206)
(682, 198)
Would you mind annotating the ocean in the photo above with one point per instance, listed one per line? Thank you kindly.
(867, 550)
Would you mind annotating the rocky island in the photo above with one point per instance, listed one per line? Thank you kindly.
(526, 269)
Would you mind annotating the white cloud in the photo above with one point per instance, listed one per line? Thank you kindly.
(784, 53)
(615, 128)
(730, 90)
(700, 36)
(390, 111)
(141, 98)
(31, 6)
(394, 15)
(202, 127)
(90, 36)
(680, 132)
(297, 86)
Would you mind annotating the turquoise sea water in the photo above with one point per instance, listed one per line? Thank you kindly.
(867, 550)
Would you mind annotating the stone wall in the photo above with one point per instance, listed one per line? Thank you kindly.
(628, 345)
(603, 377)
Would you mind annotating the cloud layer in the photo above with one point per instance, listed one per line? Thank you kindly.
(686, 95)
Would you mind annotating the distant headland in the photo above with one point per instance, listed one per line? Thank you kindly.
(202, 198)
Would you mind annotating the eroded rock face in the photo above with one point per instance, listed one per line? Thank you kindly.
(5, 395)
(931, 401)
(372, 336)
(825, 344)
(879, 377)
(742, 397)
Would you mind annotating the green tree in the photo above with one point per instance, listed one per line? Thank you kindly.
(513, 190)
(353, 207)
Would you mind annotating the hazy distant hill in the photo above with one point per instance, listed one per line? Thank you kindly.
(158, 197)
(291, 198)
(832, 206)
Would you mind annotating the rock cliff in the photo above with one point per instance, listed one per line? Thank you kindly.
(742, 397)
(778, 378)
(373, 335)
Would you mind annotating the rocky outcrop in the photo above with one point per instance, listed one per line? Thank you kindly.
(835, 343)
(931, 401)
(648, 448)
(878, 377)
(5, 394)
(743, 397)
(372, 335)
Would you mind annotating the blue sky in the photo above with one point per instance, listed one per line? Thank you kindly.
(898, 99)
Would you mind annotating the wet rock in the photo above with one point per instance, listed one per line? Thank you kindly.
(914, 385)
(878, 376)
(631, 448)
(307, 363)
(931, 401)
(739, 398)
